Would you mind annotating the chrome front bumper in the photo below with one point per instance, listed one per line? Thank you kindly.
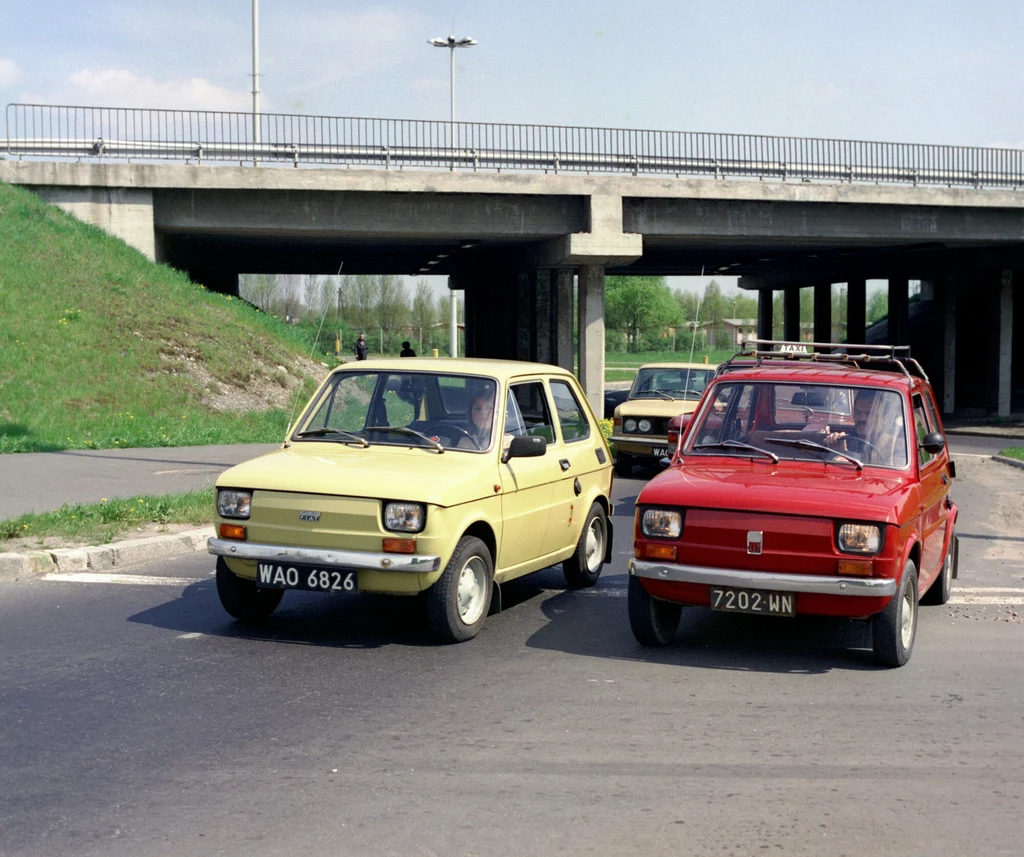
(324, 558)
(770, 580)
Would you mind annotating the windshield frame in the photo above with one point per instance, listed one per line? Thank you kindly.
(383, 379)
(700, 431)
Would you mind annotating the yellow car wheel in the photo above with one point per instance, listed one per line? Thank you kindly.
(457, 604)
(583, 568)
(242, 598)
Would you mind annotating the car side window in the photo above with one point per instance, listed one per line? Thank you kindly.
(921, 427)
(571, 416)
(533, 409)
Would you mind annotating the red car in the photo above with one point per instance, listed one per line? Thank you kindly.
(814, 483)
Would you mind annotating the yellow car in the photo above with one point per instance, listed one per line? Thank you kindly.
(660, 391)
(430, 475)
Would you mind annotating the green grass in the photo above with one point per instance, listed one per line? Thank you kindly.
(100, 523)
(99, 347)
(1014, 452)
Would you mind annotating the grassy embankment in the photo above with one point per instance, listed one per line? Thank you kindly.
(100, 348)
(1014, 452)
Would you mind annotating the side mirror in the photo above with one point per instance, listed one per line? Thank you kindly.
(525, 446)
(933, 442)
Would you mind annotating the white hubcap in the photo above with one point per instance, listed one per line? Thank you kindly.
(594, 546)
(471, 594)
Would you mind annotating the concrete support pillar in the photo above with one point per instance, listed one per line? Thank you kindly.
(823, 313)
(526, 316)
(544, 309)
(899, 311)
(765, 298)
(591, 335)
(856, 310)
(1000, 345)
(791, 314)
(946, 298)
(562, 283)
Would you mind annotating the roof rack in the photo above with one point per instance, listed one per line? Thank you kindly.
(891, 358)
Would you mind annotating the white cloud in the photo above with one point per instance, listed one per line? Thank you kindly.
(122, 88)
(9, 72)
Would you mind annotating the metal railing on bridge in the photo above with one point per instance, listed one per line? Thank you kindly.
(98, 133)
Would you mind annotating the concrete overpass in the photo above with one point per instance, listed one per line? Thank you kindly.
(515, 243)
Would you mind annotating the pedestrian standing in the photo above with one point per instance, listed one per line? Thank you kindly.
(406, 350)
(362, 349)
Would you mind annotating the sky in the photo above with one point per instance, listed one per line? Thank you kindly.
(942, 71)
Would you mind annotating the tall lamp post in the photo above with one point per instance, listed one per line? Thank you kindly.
(452, 43)
(255, 79)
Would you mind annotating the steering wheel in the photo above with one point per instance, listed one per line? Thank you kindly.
(865, 445)
(436, 427)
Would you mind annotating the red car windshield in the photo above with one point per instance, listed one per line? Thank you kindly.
(802, 421)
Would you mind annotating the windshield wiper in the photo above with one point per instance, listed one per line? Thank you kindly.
(803, 443)
(330, 432)
(406, 430)
(737, 444)
(648, 393)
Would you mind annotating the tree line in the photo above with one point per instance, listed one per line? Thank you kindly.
(644, 314)
(376, 304)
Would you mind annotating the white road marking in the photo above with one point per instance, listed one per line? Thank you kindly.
(988, 590)
(194, 635)
(975, 600)
(130, 579)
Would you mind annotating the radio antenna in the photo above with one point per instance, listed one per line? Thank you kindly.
(312, 351)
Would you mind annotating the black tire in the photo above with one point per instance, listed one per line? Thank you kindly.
(894, 629)
(623, 465)
(458, 603)
(583, 568)
(242, 598)
(938, 593)
(652, 621)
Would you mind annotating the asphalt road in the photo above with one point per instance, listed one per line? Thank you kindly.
(43, 481)
(137, 719)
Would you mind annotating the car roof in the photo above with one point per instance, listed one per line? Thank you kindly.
(500, 369)
(817, 374)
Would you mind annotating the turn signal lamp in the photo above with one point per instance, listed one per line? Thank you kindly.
(666, 552)
(399, 546)
(232, 531)
(854, 568)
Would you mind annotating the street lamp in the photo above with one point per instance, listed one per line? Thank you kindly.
(452, 43)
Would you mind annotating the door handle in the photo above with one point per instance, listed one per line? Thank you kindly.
(564, 464)
(945, 480)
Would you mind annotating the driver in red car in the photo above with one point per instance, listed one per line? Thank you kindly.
(855, 441)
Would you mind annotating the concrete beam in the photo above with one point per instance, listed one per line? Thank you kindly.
(604, 243)
(591, 335)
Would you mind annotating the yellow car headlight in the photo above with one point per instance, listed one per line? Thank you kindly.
(234, 504)
(404, 517)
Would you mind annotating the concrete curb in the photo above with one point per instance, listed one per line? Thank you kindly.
(1013, 462)
(15, 566)
(1009, 433)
